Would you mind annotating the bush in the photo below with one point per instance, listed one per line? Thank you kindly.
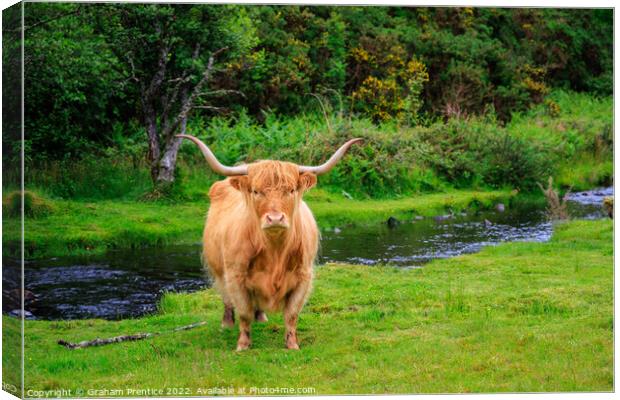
(34, 205)
(394, 160)
(477, 151)
(386, 82)
(512, 161)
(90, 178)
(385, 63)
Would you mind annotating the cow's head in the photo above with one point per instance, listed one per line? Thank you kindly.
(273, 189)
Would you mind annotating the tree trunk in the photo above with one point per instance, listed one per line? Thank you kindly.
(153, 137)
(168, 161)
(163, 166)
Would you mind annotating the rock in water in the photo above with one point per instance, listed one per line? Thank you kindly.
(392, 222)
(18, 314)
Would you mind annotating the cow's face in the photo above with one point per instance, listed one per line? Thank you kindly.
(273, 189)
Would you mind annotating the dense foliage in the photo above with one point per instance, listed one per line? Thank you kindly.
(385, 63)
(573, 141)
(434, 85)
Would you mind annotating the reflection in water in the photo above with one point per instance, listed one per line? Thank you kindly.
(119, 284)
(417, 242)
(124, 284)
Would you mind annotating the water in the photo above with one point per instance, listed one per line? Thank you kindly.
(123, 284)
(116, 285)
(414, 243)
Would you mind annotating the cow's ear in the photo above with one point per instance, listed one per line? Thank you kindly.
(241, 182)
(307, 180)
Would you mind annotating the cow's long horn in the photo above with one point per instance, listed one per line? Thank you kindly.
(215, 165)
(333, 160)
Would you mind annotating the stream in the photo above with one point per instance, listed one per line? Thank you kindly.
(129, 283)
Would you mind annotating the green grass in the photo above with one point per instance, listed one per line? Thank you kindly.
(80, 227)
(517, 317)
(581, 134)
(585, 173)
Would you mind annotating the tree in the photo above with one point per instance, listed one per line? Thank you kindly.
(74, 86)
(11, 89)
(171, 54)
(96, 72)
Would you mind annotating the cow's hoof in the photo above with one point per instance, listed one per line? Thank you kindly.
(291, 341)
(244, 341)
(228, 323)
(261, 316)
(292, 346)
(243, 346)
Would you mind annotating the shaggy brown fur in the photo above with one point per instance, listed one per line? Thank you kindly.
(257, 267)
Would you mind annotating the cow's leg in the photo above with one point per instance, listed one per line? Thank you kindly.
(228, 319)
(294, 303)
(260, 316)
(244, 341)
(241, 301)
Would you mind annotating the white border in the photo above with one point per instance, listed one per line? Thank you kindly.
(478, 3)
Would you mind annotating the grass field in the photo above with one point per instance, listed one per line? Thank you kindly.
(516, 317)
(79, 227)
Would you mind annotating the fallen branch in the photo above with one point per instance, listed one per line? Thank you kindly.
(125, 338)
(102, 342)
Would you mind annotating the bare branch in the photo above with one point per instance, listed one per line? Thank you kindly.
(46, 21)
(196, 52)
(158, 78)
(213, 108)
(178, 80)
(133, 68)
(101, 342)
(169, 100)
(189, 103)
(217, 53)
(222, 92)
(125, 338)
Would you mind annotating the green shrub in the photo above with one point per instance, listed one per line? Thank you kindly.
(473, 151)
(394, 160)
(512, 161)
(385, 63)
(34, 205)
(90, 178)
